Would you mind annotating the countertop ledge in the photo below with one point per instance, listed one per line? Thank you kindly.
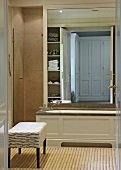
(78, 113)
(78, 108)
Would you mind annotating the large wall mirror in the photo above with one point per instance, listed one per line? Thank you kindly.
(80, 47)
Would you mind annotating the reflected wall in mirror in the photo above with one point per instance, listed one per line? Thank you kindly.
(80, 48)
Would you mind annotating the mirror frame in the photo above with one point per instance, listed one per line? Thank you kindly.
(50, 7)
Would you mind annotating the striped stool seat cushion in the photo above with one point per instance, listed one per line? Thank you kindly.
(27, 135)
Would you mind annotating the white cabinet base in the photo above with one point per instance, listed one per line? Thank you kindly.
(81, 129)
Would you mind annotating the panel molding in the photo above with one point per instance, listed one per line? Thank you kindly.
(79, 128)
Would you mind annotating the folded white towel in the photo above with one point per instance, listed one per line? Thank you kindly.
(56, 82)
(53, 68)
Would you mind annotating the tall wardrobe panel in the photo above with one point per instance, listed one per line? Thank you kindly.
(85, 68)
(77, 55)
(77, 67)
(97, 68)
(85, 58)
(106, 68)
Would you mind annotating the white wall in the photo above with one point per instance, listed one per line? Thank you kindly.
(75, 65)
(73, 78)
(66, 65)
(2, 62)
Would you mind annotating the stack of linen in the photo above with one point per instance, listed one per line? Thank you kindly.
(53, 65)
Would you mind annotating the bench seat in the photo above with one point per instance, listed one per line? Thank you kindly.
(27, 135)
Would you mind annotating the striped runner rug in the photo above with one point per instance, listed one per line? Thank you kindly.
(65, 159)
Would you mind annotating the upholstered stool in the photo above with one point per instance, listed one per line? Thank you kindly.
(27, 135)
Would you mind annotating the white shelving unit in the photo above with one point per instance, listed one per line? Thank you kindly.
(53, 49)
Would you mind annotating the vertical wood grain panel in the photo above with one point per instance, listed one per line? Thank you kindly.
(33, 61)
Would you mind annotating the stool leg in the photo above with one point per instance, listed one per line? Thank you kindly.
(38, 156)
(19, 150)
(9, 153)
(44, 146)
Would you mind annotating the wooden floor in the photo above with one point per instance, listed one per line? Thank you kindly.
(65, 159)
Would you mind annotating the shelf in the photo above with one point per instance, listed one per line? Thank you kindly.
(54, 42)
(54, 84)
(54, 70)
(53, 55)
(53, 97)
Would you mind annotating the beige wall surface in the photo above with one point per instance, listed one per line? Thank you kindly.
(18, 78)
(33, 61)
(26, 91)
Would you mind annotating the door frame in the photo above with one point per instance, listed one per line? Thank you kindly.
(4, 86)
(112, 66)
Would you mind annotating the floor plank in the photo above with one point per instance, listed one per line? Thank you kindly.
(65, 159)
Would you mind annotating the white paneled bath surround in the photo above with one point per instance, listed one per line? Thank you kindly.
(79, 126)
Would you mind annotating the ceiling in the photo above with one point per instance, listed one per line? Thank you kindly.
(92, 33)
(81, 13)
(23, 3)
(91, 17)
(83, 17)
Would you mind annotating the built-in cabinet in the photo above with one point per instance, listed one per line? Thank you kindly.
(90, 68)
(94, 68)
(79, 128)
(53, 63)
